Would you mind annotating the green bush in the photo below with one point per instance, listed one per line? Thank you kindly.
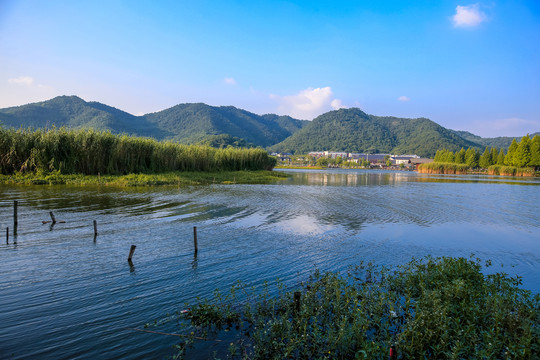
(435, 308)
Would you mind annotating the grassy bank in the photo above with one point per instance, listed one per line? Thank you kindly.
(435, 308)
(510, 171)
(443, 168)
(453, 168)
(90, 152)
(171, 178)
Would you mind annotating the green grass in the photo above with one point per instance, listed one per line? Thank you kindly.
(434, 308)
(171, 178)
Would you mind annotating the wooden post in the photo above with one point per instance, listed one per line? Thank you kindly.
(52, 217)
(195, 239)
(95, 228)
(131, 251)
(15, 217)
(7, 235)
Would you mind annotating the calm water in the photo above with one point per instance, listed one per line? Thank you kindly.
(65, 296)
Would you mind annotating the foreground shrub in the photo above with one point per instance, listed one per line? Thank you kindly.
(436, 308)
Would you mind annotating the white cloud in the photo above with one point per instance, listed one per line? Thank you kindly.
(229, 81)
(22, 80)
(468, 16)
(403, 98)
(308, 103)
(505, 127)
(336, 104)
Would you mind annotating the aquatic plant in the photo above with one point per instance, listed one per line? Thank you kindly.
(443, 308)
(443, 168)
(91, 152)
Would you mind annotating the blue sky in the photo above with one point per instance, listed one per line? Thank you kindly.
(471, 66)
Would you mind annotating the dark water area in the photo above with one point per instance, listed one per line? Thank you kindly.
(65, 296)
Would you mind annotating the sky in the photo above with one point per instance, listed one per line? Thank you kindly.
(471, 66)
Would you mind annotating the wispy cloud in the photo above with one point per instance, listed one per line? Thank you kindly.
(22, 80)
(403, 98)
(468, 16)
(229, 81)
(308, 103)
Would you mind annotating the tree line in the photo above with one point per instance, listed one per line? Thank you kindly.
(522, 154)
(92, 152)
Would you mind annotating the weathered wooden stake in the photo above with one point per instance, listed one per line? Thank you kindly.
(195, 239)
(95, 228)
(7, 235)
(52, 217)
(131, 251)
(297, 295)
(15, 219)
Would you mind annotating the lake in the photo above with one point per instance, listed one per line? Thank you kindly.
(66, 295)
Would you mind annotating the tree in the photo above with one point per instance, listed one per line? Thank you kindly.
(471, 158)
(509, 158)
(460, 156)
(535, 152)
(500, 157)
(323, 162)
(449, 157)
(485, 159)
(494, 155)
(522, 157)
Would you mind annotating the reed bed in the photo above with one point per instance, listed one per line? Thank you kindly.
(443, 168)
(91, 152)
(510, 171)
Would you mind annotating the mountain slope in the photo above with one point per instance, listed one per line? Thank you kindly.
(355, 131)
(74, 112)
(498, 142)
(192, 123)
(185, 123)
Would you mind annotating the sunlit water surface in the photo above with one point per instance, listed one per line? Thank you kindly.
(66, 295)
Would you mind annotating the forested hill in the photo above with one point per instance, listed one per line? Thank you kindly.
(184, 123)
(74, 112)
(341, 130)
(498, 142)
(192, 123)
(355, 131)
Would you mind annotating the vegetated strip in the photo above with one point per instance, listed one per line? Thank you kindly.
(433, 308)
(62, 156)
(172, 178)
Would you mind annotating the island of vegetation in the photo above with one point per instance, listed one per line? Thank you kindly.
(521, 159)
(62, 156)
(433, 308)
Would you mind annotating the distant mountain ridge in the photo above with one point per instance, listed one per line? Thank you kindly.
(340, 130)
(355, 131)
(184, 123)
(498, 142)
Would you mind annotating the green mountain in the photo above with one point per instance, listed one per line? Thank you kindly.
(341, 130)
(74, 112)
(498, 142)
(193, 123)
(355, 131)
(184, 123)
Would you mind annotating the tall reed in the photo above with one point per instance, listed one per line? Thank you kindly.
(91, 152)
(443, 168)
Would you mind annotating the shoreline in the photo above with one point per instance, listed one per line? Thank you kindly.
(162, 179)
